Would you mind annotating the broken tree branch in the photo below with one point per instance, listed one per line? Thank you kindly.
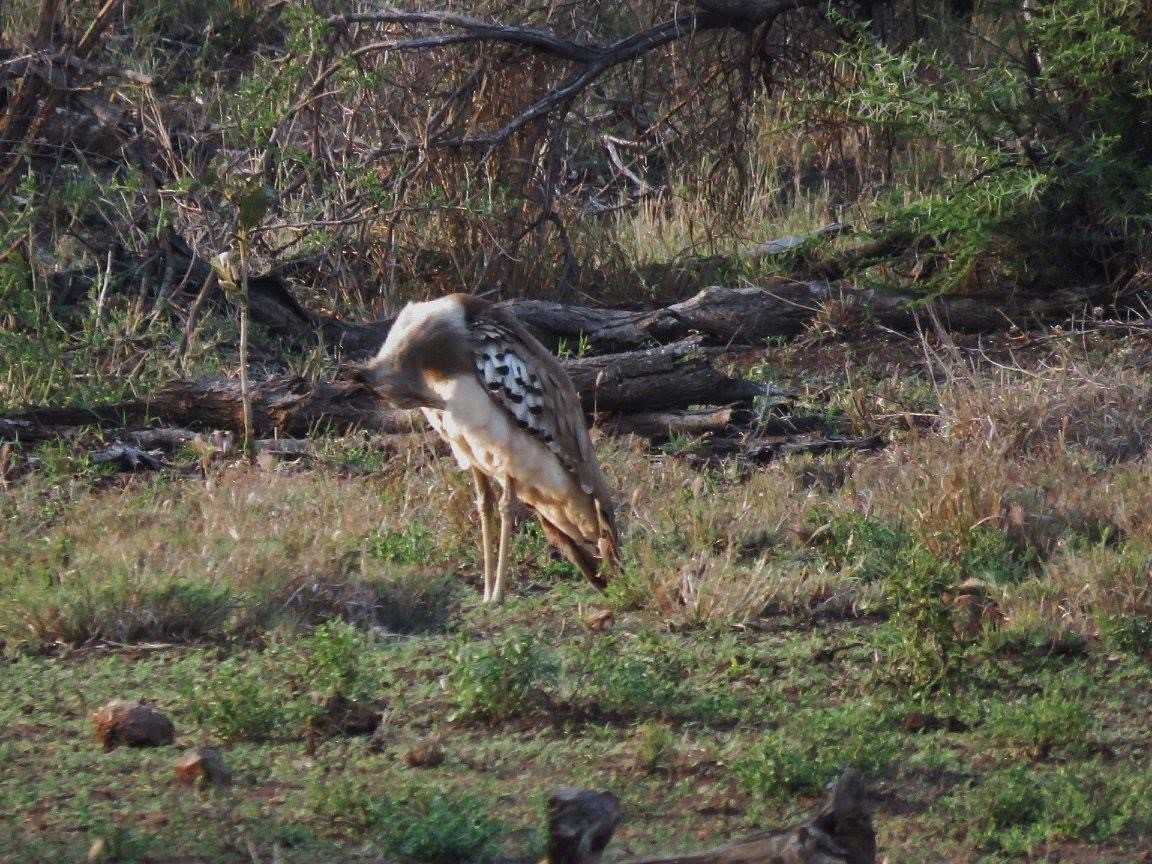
(595, 59)
(840, 833)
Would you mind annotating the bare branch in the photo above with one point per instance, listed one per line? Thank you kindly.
(527, 37)
(596, 59)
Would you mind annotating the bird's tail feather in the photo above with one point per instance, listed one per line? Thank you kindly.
(593, 568)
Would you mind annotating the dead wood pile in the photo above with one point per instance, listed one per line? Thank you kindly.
(581, 823)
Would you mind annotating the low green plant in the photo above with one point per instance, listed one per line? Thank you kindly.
(624, 677)
(1125, 632)
(499, 679)
(348, 801)
(331, 659)
(654, 744)
(812, 749)
(862, 545)
(437, 827)
(532, 547)
(411, 544)
(989, 556)
(240, 701)
(920, 637)
(1019, 809)
(414, 823)
(1041, 723)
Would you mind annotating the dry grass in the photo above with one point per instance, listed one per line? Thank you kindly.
(1046, 455)
(763, 610)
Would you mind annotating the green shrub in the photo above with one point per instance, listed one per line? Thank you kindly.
(411, 544)
(1042, 117)
(862, 546)
(1019, 809)
(241, 702)
(439, 828)
(654, 743)
(331, 659)
(1125, 632)
(498, 680)
(920, 638)
(1041, 723)
(813, 748)
(414, 824)
(625, 677)
(274, 693)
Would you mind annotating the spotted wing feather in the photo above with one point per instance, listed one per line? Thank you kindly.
(531, 385)
(513, 380)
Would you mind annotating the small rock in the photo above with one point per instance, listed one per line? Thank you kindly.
(425, 753)
(133, 724)
(598, 620)
(203, 766)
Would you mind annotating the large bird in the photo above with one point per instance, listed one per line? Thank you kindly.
(512, 417)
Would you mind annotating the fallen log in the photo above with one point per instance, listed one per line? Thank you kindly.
(672, 376)
(720, 315)
(581, 823)
(748, 316)
(726, 317)
(840, 833)
(691, 423)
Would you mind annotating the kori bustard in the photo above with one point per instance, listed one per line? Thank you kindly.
(509, 412)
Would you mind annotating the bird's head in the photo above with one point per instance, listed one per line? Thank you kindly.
(396, 385)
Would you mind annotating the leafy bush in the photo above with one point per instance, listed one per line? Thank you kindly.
(861, 545)
(498, 680)
(1043, 118)
(439, 828)
(620, 677)
(654, 743)
(813, 748)
(1041, 723)
(274, 693)
(410, 544)
(1020, 808)
(240, 701)
(413, 824)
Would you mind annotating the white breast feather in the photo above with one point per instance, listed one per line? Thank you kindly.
(482, 435)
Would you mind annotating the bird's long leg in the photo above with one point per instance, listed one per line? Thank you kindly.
(484, 507)
(506, 501)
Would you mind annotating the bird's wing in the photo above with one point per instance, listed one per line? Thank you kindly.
(531, 385)
(532, 388)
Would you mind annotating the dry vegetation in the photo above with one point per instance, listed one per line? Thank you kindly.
(964, 614)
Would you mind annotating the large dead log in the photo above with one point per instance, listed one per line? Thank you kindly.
(840, 833)
(673, 376)
(581, 824)
(748, 316)
(722, 316)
